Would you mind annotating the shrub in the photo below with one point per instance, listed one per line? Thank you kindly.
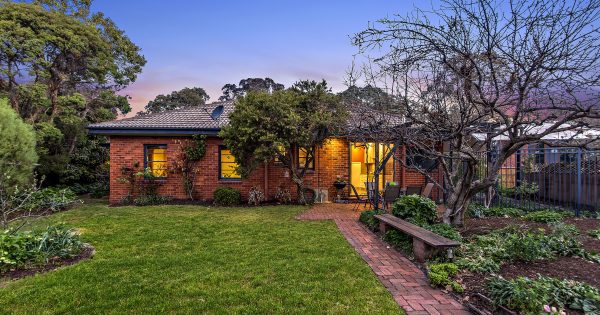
(148, 200)
(415, 209)
(440, 275)
(445, 230)
(594, 233)
(227, 196)
(53, 199)
(21, 249)
(529, 296)
(479, 211)
(255, 196)
(283, 196)
(368, 219)
(399, 240)
(545, 216)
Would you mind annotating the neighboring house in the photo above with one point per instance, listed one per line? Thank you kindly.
(151, 141)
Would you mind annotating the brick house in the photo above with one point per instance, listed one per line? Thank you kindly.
(153, 141)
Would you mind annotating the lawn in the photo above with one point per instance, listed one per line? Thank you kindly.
(192, 259)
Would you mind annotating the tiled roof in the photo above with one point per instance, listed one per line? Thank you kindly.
(188, 118)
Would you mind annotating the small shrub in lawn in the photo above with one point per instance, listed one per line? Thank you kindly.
(440, 275)
(545, 216)
(415, 209)
(255, 196)
(533, 296)
(227, 196)
(22, 249)
(368, 219)
(594, 233)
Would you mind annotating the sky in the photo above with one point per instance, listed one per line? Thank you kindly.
(211, 43)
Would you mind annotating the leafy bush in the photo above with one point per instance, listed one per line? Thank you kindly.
(53, 199)
(283, 195)
(439, 275)
(415, 209)
(21, 249)
(368, 219)
(399, 240)
(445, 230)
(255, 196)
(479, 211)
(227, 196)
(148, 200)
(545, 216)
(486, 253)
(529, 296)
(594, 233)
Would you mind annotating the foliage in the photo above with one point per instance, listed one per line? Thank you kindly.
(594, 233)
(479, 211)
(415, 209)
(17, 148)
(283, 195)
(445, 230)
(21, 249)
(531, 295)
(195, 96)
(52, 199)
(303, 116)
(526, 188)
(368, 218)
(486, 253)
(545, 216)
(227, 196)
(185, 163)
(232, 91)
(63, 65)
(400, 240)
(255, 196)
(440, 275)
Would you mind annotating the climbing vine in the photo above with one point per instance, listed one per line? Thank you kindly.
(191, 152)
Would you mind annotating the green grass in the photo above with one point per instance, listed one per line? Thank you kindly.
(191, 259)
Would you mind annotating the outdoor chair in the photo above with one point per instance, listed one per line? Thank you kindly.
(358, 199)
(390, 195)
(427, 190)
(413, 190)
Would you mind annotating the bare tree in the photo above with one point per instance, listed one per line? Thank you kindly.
(480, 76)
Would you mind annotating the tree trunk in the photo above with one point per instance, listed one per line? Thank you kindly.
(460, 197)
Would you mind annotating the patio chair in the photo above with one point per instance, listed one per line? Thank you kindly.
(390, 195)
(358, 199)
(427, 190)
(413, 190)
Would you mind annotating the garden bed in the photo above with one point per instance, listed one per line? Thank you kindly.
(87, 252)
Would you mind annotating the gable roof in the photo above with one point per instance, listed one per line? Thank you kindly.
(183, 121)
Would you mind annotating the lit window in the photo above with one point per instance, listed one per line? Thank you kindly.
(156, 159)
(303, 155)
(227, 165)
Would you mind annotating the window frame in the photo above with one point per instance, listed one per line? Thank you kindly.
(221, 178)
(147, 147)
(309, 168)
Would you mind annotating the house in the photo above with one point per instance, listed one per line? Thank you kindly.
(151, 141)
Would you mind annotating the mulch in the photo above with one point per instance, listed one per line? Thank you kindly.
(87, 252)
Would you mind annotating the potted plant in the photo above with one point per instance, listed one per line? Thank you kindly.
(339, 183)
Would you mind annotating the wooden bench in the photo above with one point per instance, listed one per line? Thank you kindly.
(425, 243)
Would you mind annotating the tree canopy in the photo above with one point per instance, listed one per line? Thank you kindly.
(264, 126)
(177, 99)
(61, 68)
(232, 91)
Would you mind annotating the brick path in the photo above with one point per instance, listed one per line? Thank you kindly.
(400, 276)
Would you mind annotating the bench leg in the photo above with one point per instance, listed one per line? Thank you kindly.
(422, 251)
(382, 227)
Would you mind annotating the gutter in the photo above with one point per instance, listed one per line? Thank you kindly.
(152, 131)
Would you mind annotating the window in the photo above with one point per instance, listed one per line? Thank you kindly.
(155, 158)
(417, 159)
(303, 155)
(227, 165)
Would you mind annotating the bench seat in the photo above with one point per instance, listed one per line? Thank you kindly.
(425, 242)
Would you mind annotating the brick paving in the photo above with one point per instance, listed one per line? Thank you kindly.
(405, 281)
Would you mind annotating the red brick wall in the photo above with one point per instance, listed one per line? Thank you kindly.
(332, 160)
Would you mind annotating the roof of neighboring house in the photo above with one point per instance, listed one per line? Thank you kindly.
(202, 119)
(573, 134)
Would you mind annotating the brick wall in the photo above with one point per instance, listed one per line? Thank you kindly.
(331, 160)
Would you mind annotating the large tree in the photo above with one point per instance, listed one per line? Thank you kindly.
(265, 126)
(177, 99)
(473, 72)
(61, 67)
(232, 91)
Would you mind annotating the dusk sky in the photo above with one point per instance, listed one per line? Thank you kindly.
(211, 43)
